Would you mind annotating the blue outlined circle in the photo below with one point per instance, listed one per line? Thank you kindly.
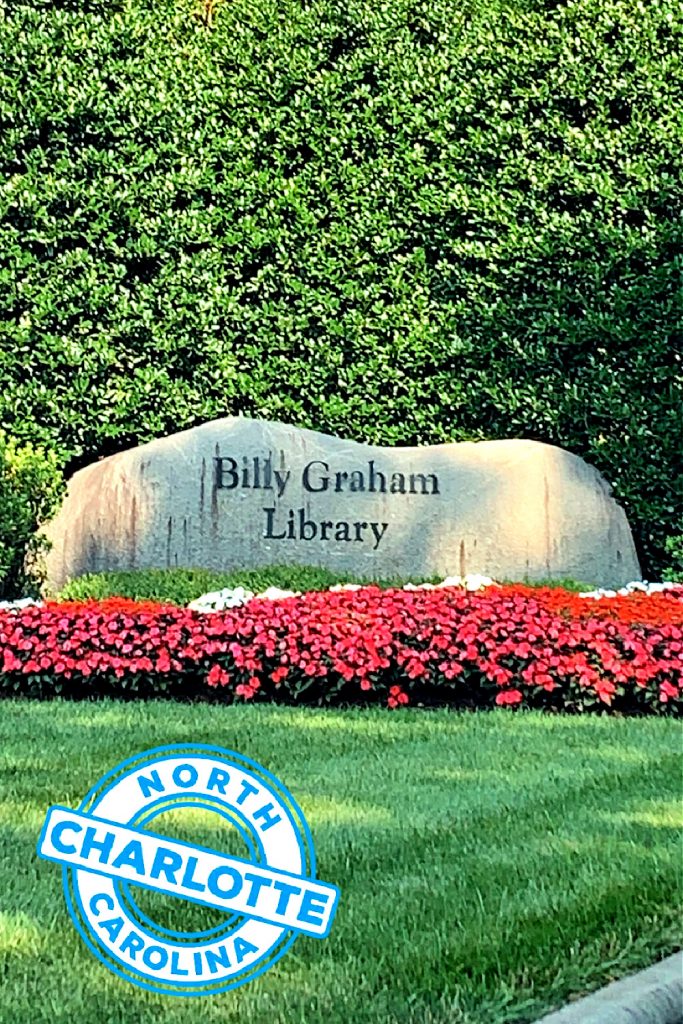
(160, 807)
(66, 872)
(192, 944)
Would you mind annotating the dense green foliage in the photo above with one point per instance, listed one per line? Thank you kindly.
(490, 865)
(180, 586)
(31, 488)
(674, 550)
(403, 223)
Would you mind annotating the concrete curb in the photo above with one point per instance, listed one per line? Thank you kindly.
(654, 996)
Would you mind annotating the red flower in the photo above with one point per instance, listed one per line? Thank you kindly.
(247, 690)
(667, 691)
(217, 676)
(509, 697)
(397, 697)
(531, 644)
(605, 690)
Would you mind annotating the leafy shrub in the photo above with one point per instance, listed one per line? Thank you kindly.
(674, 549)
(404, 223)
(505, 645)
(566, 583)
(180, 586)
(31, 487)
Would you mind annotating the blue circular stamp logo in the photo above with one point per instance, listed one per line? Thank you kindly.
(108, 849)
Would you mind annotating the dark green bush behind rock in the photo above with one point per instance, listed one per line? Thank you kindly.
(403, 223)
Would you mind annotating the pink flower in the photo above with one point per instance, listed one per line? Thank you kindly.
(217, 676)
(509, 697)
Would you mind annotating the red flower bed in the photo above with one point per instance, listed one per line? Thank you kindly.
(505, 645)
(637, 609)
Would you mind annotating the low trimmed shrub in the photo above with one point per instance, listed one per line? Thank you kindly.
(501, 646)
(180, 586)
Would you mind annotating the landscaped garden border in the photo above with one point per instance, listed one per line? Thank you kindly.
(506, 645)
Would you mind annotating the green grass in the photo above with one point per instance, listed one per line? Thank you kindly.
(180, 586)
(491, 865)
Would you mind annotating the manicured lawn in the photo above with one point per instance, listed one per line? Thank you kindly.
(491, 865)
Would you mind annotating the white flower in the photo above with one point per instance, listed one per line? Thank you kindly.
(275, 594)
(24, 602)
(452, 581)
(471, 582)
(477, 582)
(344, 586)
(221, 600)
(633, 587)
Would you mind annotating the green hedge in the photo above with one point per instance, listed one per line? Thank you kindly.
(180, 586)
(402, 223)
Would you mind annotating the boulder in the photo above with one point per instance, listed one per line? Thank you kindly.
(244, 493)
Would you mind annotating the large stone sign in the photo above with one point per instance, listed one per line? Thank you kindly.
(244, 493)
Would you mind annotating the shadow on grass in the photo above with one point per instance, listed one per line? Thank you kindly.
(477, 856)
